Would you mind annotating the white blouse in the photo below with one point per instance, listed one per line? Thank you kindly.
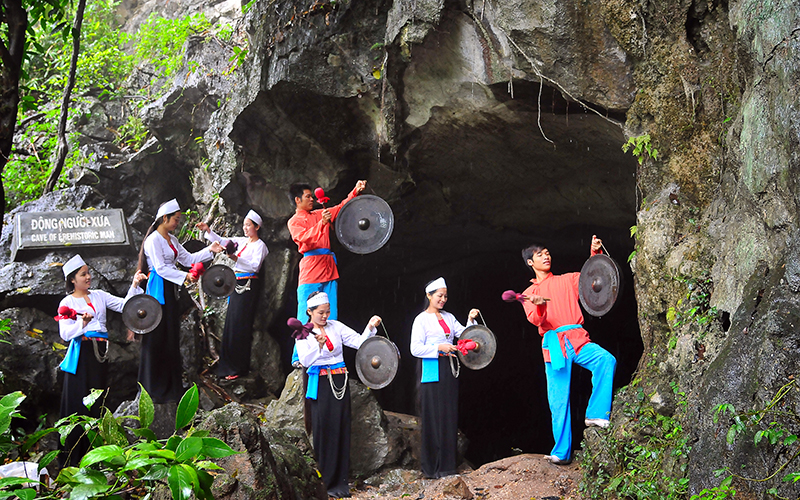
(101, 300)
(162, 260)
(427, 333)
(252, 253)
(308, 348)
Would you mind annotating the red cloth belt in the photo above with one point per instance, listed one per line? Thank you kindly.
(95, 338)
(335, 371)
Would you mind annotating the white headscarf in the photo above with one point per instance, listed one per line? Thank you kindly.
(318, 300)
(253, 216)
(169, 207)
(435, 285)
(72, 265)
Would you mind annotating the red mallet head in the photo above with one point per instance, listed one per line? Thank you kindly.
(65, 312)
(320, 194)
(197, 269)
(231, 247)
(511, 296)
(301, 331)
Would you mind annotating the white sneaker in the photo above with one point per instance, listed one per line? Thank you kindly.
(555, 460)
(597, 422)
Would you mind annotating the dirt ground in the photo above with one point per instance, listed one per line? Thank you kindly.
(522, 477)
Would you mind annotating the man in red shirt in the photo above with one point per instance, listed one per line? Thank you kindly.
(310, 229)
(552, 305)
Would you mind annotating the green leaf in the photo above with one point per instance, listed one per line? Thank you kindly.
(187, 408)
(85, 491)
(182, 480)
(91, 399)
(145, 433)
(215, 448)
(207, 465)
(156, 473)
(726, 482)
(34, 438)
(13, 481)
(146, 408)
(12, 400)
(26, 493)
(90, 476)
(100, 454)
(45, 460)
(792, 477)
(67, 475)
(111, 431)
(173, 442)
(205, 481)
(142, 462)
(189, 448)
(790, 439)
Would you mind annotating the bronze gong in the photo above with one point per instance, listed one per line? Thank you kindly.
(377, 361)
(219, 281)
(364, 224)
(483, 354)
(141, 313)
(600, 284)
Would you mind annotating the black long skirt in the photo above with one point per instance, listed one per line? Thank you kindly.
(160, 362)
(237, 337)
(90, 374)
(330, 422)
(439, 415)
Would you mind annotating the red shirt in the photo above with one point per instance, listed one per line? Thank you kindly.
(562, 309)
(310, 233)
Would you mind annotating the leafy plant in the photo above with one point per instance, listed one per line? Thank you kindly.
(769, 426)
(695, 307)
(648, 460)
(641, 147)
(116, 467)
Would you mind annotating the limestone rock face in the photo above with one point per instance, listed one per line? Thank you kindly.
(267, 467)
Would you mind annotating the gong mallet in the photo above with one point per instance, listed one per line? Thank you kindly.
(512, 296)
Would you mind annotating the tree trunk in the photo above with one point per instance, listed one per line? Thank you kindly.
(11, 53)
(63, 146)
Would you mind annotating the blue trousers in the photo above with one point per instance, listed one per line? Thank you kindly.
(602, 364)
(306, 289)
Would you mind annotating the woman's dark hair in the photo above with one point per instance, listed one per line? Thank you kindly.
(297, 190)
(71, 276)
(527, 253)
(142, 264)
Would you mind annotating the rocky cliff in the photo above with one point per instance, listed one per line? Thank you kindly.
(487, 124)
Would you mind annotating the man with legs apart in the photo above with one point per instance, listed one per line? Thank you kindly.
(551, 303)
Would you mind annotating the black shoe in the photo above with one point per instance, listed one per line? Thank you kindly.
(339, 494)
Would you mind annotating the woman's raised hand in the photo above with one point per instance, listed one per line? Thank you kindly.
(321, 338)
(474, 313)
(375, 321)
(215, 247)
(202, 226)
(138, 278)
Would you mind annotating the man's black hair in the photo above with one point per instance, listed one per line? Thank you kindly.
(527, 253)
(297, 190)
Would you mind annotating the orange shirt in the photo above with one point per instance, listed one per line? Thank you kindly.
(310, 233)
(562, 309)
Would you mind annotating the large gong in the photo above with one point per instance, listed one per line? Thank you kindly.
(364, 224)
(141, 313)
(219, 281)
(377, 361)
(600, 284)
(483, 354)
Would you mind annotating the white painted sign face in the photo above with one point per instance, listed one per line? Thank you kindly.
(44, 230)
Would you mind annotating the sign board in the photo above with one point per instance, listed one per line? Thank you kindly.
(85, 228)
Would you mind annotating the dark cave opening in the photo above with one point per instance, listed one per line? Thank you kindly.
(484, 183)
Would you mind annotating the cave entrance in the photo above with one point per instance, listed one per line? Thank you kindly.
(486, 184)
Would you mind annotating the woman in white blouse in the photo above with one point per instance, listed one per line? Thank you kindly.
(330, 406)
(82, 323)
(248, 252)
(432, 339)
(160, 362)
